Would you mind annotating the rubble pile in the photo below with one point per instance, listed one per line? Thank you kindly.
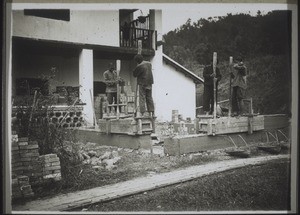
(108, 160)
(100, 157)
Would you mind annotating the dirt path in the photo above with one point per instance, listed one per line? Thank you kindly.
(85, 197)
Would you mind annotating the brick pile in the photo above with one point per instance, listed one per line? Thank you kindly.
(98, 103)
(51, 167)
(29, 168)
(25, 159)
(21, 187)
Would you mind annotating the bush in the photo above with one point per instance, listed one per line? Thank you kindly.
(30, 119)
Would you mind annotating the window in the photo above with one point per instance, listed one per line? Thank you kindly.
(58, 14)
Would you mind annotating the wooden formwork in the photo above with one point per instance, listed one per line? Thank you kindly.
(227, 125)
(214, 134)
(129, 126)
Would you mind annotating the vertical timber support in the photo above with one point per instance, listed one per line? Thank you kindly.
(215, 83)
(230, 97)
(215, 90)
(86, 82)
(118, 69)
(250, 118)
(137, 107)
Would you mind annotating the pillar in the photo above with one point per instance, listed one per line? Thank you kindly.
(86, 82)
(157, 63)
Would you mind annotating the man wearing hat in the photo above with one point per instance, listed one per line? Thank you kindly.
(208, 96)
(143, 73)
(238, 86)
(110, 79)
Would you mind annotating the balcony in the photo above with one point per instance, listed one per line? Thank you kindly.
(129, 37)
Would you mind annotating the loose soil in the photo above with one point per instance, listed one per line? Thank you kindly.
(262, 187)
(131, 164)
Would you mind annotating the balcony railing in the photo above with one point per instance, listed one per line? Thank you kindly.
(130, 36)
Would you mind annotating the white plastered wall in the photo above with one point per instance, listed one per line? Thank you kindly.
(91, 27)
(174, 91)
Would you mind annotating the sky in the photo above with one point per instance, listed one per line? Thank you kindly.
(173, 15)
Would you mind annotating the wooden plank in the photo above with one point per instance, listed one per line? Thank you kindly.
(215, 84)
(81, 198)
(225, 125)
(230, 99)
(276, 121)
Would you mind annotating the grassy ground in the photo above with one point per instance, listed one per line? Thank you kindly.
(263, 187)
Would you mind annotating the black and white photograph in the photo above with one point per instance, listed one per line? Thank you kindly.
(150, 107)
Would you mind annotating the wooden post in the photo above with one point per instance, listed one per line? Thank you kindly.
(137, 111)
(137, 86)
(118, 68)
(215, 83)
(94, 114)
(250, 118)
(230, 99)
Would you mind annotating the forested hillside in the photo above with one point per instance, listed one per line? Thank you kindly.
(262, 40)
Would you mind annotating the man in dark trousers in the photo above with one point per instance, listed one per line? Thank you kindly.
(238, 86)
(208, 97)
(143, 73)
(110, 79)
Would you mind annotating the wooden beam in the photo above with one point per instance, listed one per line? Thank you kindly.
(215, 83)
(230, 99)
(118, 69)
(38, 45)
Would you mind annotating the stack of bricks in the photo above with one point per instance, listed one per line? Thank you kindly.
(130, 99)
(98, 103)
(21, 188)
(25, 159)
(131, 102)
(51, 167)
(29, 168)
(25, 166)
(110, 110)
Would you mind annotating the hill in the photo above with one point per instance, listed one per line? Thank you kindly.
(263, 41)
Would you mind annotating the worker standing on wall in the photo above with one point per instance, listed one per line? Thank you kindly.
(208, 96)
(238, 86)
(143, 73)
(110, 79)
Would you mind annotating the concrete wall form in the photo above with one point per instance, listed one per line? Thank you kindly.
(202, 142)
(118, 140)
